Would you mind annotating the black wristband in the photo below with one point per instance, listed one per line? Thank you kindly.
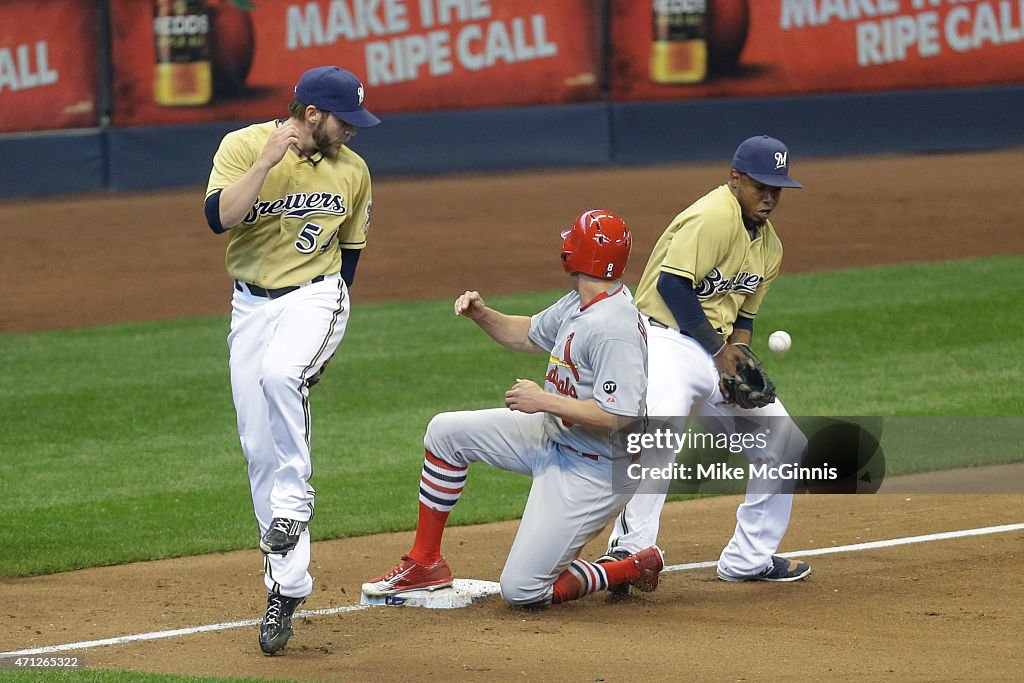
(744, 323)
(707, 337)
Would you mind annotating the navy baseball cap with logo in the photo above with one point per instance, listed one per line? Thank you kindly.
(333, 89)
(764, 159)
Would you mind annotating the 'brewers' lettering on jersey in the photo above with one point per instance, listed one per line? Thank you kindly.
(298, 205)
(708, 244)
(289, 237)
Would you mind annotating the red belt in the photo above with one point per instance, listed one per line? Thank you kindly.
(588, 456)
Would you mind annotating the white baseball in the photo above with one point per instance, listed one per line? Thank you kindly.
(779, 341)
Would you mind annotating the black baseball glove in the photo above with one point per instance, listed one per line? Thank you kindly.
(750, 387)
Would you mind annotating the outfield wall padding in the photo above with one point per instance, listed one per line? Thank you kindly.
(588, 134)
(824, 125)
(53, 163)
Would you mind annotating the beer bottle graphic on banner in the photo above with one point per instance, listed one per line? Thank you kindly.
(679, 51)
(181, 32)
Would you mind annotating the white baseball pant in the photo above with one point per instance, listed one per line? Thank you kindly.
(684, 382)
(275, 346)
(571, 500)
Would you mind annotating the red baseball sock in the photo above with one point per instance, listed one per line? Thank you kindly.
(426, 548)
(621, 571)
(441, 484)
(581, 578)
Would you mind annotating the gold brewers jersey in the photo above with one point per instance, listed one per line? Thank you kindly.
(708, 244)
(305, 213)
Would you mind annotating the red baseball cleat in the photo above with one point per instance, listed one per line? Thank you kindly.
(650, 561)
(410, 575)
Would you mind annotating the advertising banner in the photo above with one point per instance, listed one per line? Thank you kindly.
(48, 72)
(676, 49)
(180, 61)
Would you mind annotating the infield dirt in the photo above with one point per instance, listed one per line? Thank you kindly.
(949, 610)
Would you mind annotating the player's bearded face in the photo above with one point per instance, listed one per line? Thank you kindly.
(756, 200)
(330, 134)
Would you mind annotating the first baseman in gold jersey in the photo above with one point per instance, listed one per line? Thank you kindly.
(703, 286)
(295, 202)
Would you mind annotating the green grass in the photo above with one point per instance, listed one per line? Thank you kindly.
(929, 339)
(118, 443)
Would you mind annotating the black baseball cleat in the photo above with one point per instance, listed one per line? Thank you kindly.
(282, 536)
(276, 627)
(615, 555)
(780, 570)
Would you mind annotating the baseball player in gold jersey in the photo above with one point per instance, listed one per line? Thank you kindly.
(704, 283)
(295, 202)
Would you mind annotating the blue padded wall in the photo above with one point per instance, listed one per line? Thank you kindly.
(586, 134)
(67, 162)
(403, 144)
(825, 125)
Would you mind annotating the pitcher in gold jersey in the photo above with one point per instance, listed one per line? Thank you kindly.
(295, 202)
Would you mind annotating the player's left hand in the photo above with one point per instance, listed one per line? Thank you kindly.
(749, 387)
(525, 396)
(470, 305)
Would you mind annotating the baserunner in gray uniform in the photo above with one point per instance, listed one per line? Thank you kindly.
(559, 435)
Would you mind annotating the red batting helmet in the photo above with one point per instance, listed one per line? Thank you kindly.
(597, 244)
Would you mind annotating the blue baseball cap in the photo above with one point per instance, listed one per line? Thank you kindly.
(764, 159)
(333, 89)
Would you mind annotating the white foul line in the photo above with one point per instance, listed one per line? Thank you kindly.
(156, 635)
(871, 545)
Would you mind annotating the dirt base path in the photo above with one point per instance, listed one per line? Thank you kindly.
(948, 610)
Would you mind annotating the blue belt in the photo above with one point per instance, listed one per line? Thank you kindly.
(256, 290)
(658, 323)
